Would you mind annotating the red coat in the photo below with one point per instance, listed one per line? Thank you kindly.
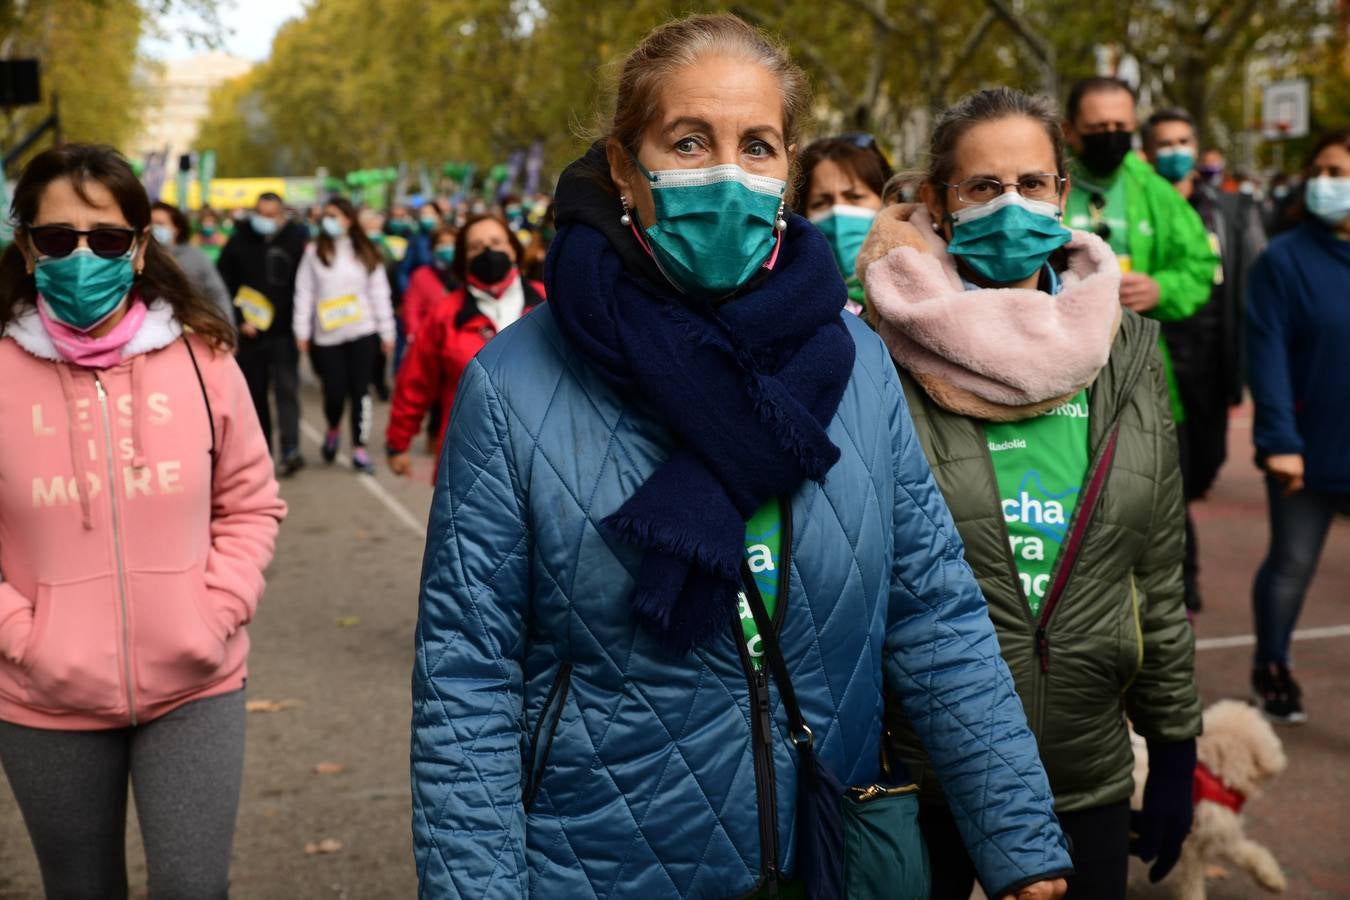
(450, 335)
(425, 292)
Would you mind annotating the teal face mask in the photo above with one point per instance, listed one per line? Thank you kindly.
(1007, 239)
(1175, 163)
(845, 227)
(714, 227)
(82, 289)
(446, 256)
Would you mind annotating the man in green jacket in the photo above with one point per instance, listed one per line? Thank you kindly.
(1163, 248)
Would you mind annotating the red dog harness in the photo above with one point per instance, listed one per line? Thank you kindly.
(1209, 787)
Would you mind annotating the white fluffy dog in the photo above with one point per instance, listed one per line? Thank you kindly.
(1238, 753)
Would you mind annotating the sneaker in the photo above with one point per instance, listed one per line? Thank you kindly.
(291, 463)
(1277, 694)
(330, 446)
(361, 461)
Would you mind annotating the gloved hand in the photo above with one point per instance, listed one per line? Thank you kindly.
(1158, 830)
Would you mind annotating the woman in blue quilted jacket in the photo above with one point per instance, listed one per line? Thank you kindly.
(687, 424)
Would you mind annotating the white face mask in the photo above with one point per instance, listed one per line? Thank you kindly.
(1328, 198)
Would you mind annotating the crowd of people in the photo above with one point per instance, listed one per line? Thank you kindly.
(788, 508)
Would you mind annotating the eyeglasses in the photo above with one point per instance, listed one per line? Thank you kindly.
(59, 240)
(1037, 186)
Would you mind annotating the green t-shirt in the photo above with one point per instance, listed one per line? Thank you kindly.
(763, 550)
(1082, 214)
(1040, 465)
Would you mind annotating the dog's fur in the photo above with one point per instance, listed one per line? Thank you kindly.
(1242, 750)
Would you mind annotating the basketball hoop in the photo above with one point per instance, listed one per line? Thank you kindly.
(1277, 129)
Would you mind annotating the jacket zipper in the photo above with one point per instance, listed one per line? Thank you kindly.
(761, 722)
(117, 546)
(1040, 625)
(1036, 719)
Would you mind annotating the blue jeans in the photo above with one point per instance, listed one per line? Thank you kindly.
(1298, 529)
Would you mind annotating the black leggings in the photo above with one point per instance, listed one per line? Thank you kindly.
(345, 371)
(185, 769)
(1099, 839)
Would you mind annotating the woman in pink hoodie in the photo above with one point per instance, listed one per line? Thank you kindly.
(138, 510)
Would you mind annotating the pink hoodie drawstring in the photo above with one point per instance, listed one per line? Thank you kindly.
(76, 457)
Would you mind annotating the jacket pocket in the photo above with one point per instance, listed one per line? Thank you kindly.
(541, 741)
(175, 647)
(73, 656)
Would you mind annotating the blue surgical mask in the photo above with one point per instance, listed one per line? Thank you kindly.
(845, 227)
(264, 225)
(1007, 239)
(714, 227)
(163, 234)
(1328, 198)
(1175, 163)
(83, 289)
(332, 227)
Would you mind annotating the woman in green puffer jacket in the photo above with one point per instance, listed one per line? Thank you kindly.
(1042, 407)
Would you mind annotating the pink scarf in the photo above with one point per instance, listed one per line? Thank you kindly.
(1000, 354)
(81, 349)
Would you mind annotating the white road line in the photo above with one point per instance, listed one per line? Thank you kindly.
(401, 513)
(1249, 640)
(390, 502)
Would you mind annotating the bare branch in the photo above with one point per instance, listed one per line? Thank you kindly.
(967, 51)
(1237, 20)
(838, 88)
(876, 11)
(1039, 45)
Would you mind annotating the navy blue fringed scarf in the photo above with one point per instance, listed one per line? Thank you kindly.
(747, 389)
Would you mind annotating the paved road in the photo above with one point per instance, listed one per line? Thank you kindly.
(332, 644)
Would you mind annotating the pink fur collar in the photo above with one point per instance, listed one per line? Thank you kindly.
(1000, 354)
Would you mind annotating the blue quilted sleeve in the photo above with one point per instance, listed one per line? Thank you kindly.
(468, 821)
(943, 662)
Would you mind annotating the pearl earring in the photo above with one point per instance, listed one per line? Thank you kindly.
(780, 224)
(625, 220)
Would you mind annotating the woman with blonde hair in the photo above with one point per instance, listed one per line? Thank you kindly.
(682, 536)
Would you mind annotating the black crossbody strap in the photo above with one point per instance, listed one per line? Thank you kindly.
(206, 399)
(773, 655)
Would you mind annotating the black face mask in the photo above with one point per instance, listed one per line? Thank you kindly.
(490, 266)
(1103, 153)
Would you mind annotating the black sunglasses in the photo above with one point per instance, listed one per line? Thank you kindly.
(860, 139)
(59, 240)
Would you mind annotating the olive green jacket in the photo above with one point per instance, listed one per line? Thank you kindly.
(1118, 642)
